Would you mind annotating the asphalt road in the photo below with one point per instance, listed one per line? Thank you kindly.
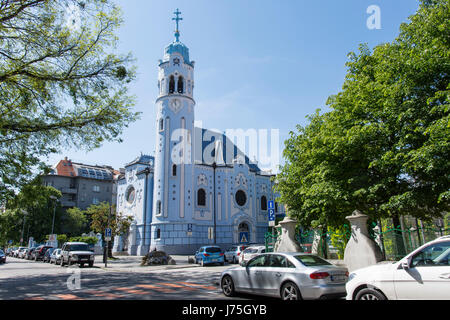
(28, 280)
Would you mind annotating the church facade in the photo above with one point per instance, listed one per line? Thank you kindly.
(199, 188)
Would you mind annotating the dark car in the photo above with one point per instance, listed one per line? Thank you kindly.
(28, 254)
(47, 254)
(2, 257)
(39, 252)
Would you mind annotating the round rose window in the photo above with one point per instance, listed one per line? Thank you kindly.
(130, 194)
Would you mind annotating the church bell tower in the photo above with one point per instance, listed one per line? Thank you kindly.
(174, 130)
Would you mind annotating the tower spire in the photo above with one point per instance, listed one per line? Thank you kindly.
(177, 19)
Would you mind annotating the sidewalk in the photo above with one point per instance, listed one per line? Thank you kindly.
(133, 263)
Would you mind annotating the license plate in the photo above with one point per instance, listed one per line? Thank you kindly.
(337, 278)
(214, 260)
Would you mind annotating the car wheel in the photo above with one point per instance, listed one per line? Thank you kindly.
(228, 286)
(61, 262)
(91, 264)
(370, 294)
(290, 291)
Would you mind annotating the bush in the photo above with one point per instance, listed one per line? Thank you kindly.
(88, 240)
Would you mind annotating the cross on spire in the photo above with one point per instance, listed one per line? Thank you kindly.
(177, 19)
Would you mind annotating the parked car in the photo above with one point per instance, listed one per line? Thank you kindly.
(289, 276)
(422, 274)
(28, 255)
(209, 254)
(251, 252)
(16, 252)
(39, 252)
(55, 256)
(10, 251)
(76, 253)
(2, 256)
(21, 253)
(47, 254)
(232, 254)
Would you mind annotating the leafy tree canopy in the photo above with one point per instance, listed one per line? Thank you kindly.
(384, 146)
(61, 83)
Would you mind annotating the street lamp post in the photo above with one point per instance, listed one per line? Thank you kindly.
(54, 212)
(23, 226)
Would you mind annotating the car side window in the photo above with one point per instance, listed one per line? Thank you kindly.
(277, 261)
(257, 262)
(437, 254)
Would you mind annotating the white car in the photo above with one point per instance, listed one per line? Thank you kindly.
(424, 274)
(251, 252)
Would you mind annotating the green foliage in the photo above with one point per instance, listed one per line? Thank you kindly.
(384, 146)
(75, 222)
(88, 240)
(104, 216)
(61, 85)
(32, 211)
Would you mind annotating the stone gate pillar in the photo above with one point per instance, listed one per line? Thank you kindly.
(361, 251)
(287, 241)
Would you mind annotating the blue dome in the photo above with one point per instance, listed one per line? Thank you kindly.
(177, 47)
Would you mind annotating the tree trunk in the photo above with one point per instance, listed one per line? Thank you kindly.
(399, 242)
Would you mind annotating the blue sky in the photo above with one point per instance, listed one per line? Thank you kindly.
(258, 64)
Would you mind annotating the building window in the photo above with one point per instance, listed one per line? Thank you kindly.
(263, 203)
(130, 194)
(174, 170)
(161, 124)
(96, 188)
(180, 84)
(241, 198)
(95, 201)
(172, 84)
(158, 207)
(201, 197)
(158, 233)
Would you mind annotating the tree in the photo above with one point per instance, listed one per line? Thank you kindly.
(104, 216)
(74, 222)
(31, 212)
(384, 146)
(61, 84)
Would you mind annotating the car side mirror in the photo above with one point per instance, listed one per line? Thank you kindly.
(406, 264)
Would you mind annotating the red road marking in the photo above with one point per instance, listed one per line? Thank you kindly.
(173, 285)
(197, 285)
(150, 286)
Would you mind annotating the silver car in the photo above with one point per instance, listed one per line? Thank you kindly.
(289, 276)
(55, 256)
(251, 252)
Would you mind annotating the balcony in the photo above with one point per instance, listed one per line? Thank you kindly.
(69, 190)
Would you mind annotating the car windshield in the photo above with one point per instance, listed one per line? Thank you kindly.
(1, 251)
(213, 250)
(78, 247)
(310, 260)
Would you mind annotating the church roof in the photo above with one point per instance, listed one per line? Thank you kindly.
(142, 159)
(227, 148)
(177, 47)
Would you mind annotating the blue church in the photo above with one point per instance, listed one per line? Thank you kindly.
(199, 188)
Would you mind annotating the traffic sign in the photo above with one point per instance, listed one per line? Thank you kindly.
(271, 214)
(271, 204)
(243, 237)
(108, 234)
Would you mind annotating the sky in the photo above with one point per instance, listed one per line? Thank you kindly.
(258, 64)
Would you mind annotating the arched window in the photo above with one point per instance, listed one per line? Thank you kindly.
(263, 203)
(180, 86)
(161, 124)
(158, 207)
(201, 197)
(174, 170)
(172, 84)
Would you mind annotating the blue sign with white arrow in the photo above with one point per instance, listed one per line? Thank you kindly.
(271, 214)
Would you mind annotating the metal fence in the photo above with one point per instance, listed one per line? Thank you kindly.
(394, 241)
